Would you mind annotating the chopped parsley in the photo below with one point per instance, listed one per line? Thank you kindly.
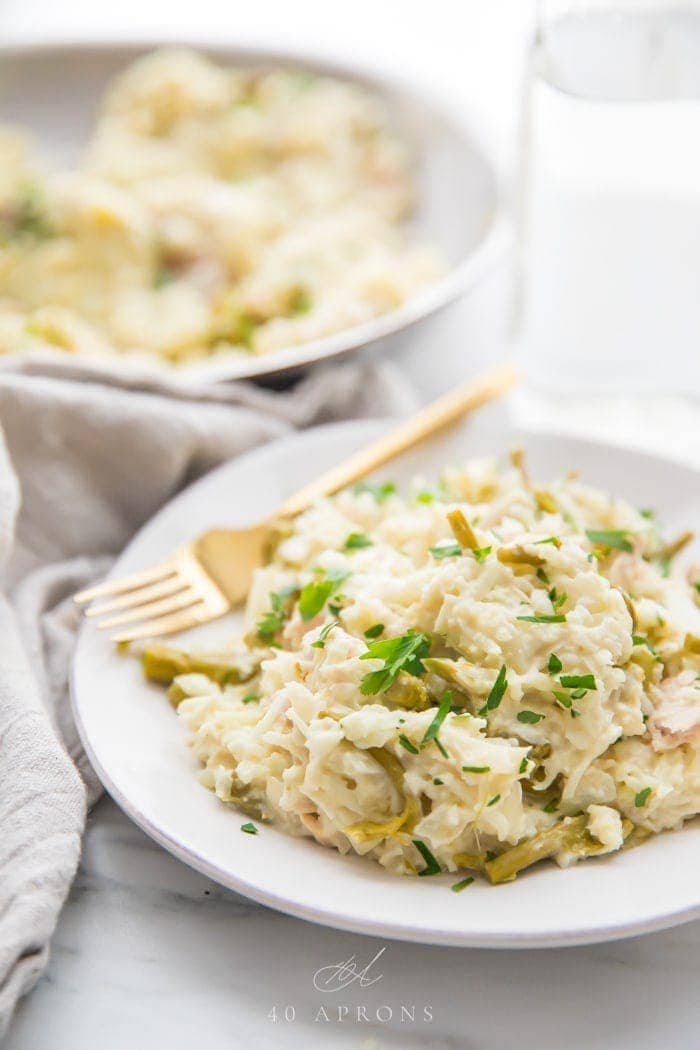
(446, 550)
(356, 541)
(320, 642)
(529, 717)
(374, 631)
(554, 540)
(274, 619)
(250, 698)
(551, 807)
(556, 599)
(476, 769)
(459, 886)
(315, 594)
(616, 539)
(249, 828)
(425, 497)
(554, 664)
(399, 654)
(443, 711)
(578, 681)
(542, 576)
(438, 782)
(563, 699)
(638, 639)
(380, 492)
(554, 618)
(641, 797)
(523, 765)
(493, 801)
(498, 690)
(408, 745)
(481, 553)
(432, 866)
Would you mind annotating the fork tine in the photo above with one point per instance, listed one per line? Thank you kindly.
(170, 585)
(127, 583)
(179, 621)
(172, 604)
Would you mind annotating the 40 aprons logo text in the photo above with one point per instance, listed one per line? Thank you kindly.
(336, 978)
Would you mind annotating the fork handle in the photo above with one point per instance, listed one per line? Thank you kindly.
(438, 414)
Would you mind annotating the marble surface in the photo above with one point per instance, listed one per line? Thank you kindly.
(149, 954)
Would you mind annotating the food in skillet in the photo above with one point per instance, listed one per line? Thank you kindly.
(469, 678)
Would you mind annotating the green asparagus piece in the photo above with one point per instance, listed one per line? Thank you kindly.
(462, 530)
(569, 835)
(161, 663)
(364, 830)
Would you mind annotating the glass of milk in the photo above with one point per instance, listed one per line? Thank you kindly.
(609, 210)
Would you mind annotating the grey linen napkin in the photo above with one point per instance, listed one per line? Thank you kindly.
(82, 465)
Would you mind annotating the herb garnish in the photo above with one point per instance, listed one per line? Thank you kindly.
(481, 553)
(493, 801)
(446, 550)
(356, 541)
(556, 618)
(476, 769)
(399, 654)
(443, 711)
(380, 492)
(578, 681)
(616, 539)
(554, 540)
(320, 642)
(315, 594)
(556, 599)
(374, 631)
(459, 886)
(523, 765)
(273, 620)
(497, 690)
(249, 828)
(554, 664)
(438, 782)
(250, 698)
(432, 866)
(641, 797)
(529, 717)
(408, 744)
(551, 807)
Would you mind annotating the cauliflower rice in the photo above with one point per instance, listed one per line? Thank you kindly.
(473, 676)
(216, 210)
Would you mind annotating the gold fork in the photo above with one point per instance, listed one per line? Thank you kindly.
(207, 577)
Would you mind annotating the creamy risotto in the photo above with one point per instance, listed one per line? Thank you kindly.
(215, 210)
(469, 677)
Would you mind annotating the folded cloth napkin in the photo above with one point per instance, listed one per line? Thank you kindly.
(83, 464)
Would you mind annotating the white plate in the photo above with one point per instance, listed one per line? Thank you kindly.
(138, 747)
(54, 89)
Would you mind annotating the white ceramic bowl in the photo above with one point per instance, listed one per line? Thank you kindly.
(54, 89)
(137, 745)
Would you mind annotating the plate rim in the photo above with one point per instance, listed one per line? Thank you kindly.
(496, 240)
(327, 916)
